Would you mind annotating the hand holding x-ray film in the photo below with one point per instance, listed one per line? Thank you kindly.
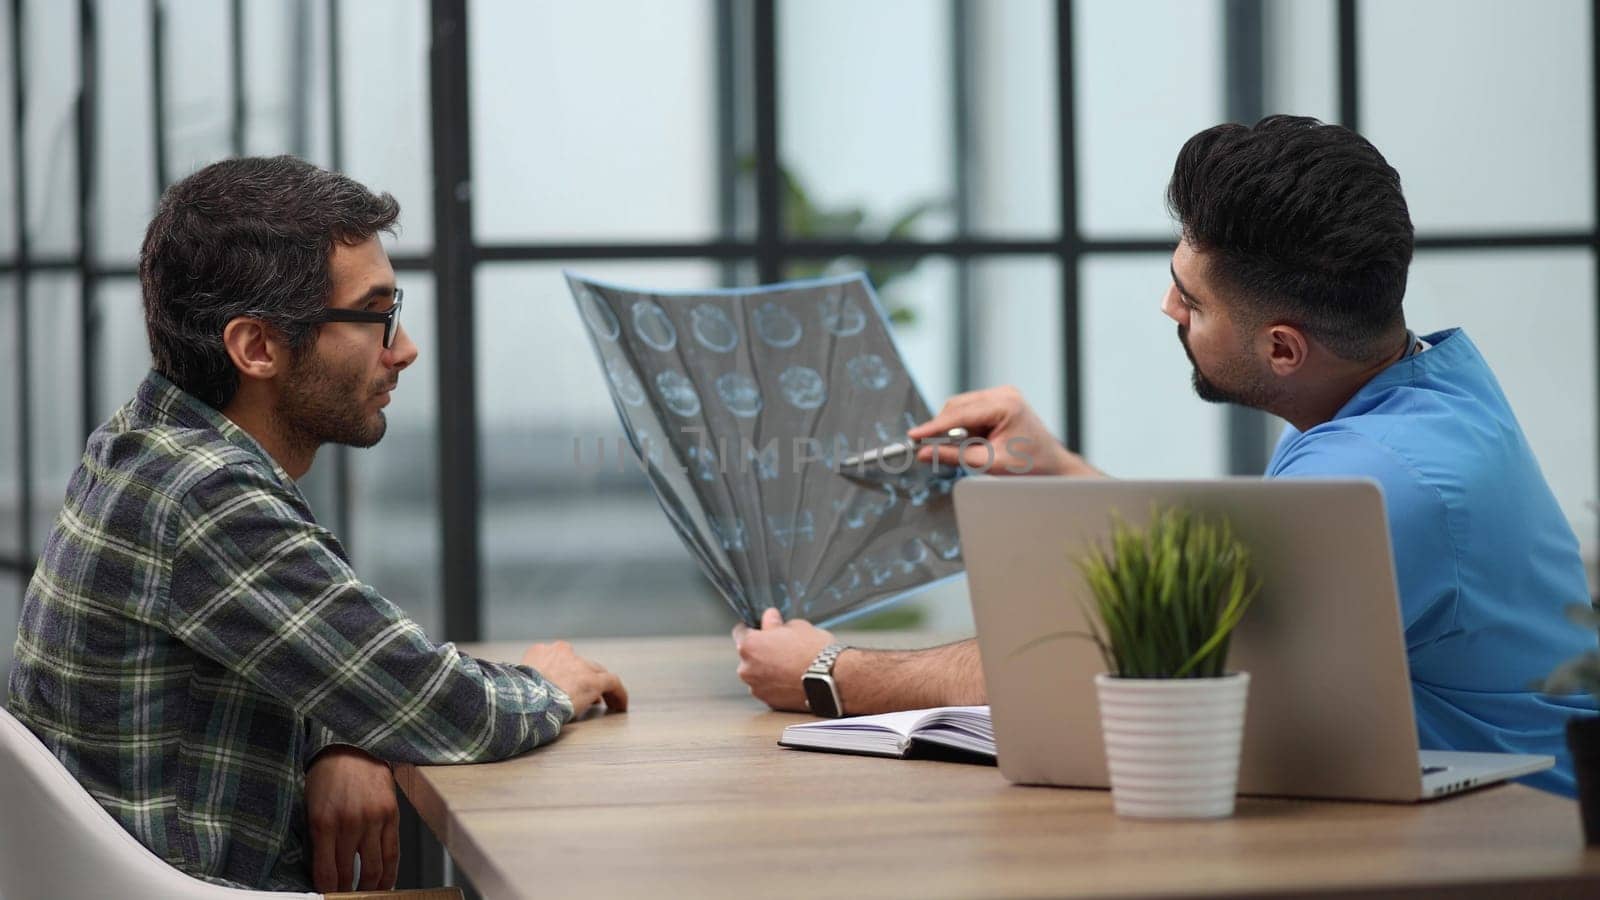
(742, 406)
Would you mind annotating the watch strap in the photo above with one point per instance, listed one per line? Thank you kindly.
(825, 661)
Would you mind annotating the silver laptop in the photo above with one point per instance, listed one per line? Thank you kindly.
(1329, 710)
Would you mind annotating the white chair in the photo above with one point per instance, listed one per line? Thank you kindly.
(57, 841)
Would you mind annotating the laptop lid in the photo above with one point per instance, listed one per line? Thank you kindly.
(1330, 710)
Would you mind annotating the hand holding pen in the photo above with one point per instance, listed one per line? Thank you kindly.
(898, 456)
(1014, 440)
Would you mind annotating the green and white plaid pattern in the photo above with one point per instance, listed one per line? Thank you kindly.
(192, 637)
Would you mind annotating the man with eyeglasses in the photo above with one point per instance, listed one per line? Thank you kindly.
(193, 645)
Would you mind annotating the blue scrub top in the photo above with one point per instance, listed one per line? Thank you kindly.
(1484, 557)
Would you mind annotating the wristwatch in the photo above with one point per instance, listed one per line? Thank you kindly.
(822, 694)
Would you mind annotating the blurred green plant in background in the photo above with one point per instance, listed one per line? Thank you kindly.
(1581, 673)
(803, 218)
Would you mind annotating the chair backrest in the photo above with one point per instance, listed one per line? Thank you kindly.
(57, 841)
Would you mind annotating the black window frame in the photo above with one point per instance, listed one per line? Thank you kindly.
(748, 44)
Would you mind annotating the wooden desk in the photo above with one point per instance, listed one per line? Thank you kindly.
(688, 795)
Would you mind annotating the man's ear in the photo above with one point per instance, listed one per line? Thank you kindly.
(1287, 349)
(256, 349)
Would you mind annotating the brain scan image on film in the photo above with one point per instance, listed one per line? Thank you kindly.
(778, 326)
(678, 392)
(870, 371)
(739, 394)
(803, 387)
(653, 326)
(713, 329)
(743, 404)
(842, 315)
(625, 382)
(602, 321)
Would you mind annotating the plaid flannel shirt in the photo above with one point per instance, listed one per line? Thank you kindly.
(192, 637)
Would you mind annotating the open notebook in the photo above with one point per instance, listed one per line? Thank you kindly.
(964, 728)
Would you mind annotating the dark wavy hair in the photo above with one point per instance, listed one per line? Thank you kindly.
(1303, 222)
(246, 237)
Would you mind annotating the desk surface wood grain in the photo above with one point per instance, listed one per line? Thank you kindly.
(687, 794)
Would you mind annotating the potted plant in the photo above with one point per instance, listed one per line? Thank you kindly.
(1166, 598)
(1582, 673)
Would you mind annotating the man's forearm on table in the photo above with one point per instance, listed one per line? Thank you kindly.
(876, 681)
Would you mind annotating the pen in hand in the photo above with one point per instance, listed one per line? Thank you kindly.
(896, 453)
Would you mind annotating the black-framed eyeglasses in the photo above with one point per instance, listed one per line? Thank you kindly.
(390, 318)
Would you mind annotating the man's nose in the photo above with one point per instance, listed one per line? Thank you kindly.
(403, 352)
(1172, 307)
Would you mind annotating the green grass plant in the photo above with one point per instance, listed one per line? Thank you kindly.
(1167, 597)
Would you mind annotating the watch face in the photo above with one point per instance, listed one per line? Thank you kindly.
(819, 695)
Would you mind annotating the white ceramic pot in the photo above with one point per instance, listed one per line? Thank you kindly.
(1172, 744)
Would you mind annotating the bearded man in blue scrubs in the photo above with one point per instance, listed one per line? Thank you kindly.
(1286, 291)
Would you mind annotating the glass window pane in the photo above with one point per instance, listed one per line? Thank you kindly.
(1507, 140)
(1015, 111)
(316, 90)
(527, 314)
(614, 147)
(198, 84)
(866, 127)
(387, 143)
(56, 377)
(1139, 403)
(1016, 332)
(286, 77)
(125, 167)
(320, 486)
(8, 149)
(50, 57)
(394, 534)
(280, 60)
(1302, 58)
(1531, 312)
(928, 340)
(123, 355)
(571, 549)
(11, 585)
(1149, 75)
(11, 435)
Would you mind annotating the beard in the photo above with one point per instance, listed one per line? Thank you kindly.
(323, 405)
(1252, 389)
